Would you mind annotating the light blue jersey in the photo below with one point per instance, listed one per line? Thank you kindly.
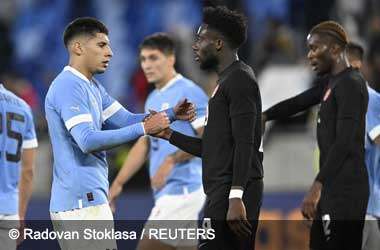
(372, 152)
(83, 121)
(185, 175)
(17, 132)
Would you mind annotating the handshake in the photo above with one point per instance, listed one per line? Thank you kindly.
(157, 122)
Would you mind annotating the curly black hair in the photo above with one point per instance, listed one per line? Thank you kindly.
(232, 25)
(83, 26)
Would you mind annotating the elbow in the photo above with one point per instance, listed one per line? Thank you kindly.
(86, 148)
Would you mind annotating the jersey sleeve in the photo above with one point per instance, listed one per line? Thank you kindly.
(200, 100)
(297, 103)
(30, 137)
(242, 95)
(71, 105)
(115, 115)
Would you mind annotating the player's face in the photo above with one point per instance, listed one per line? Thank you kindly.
(157, 66)
(97, 53)
(319, 54)
(204, 48)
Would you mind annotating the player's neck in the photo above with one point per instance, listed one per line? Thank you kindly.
(340, 65)
(82, 70)
(165, 80)
(226, 60)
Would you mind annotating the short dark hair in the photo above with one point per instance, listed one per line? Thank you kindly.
(161, 41)
(355, 50)
(83, 26)
(231, 24)
(334, 30)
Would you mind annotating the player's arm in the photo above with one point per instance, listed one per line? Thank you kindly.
(192, 145)
(25, 185)
(29, 146)
(296, 104)
(135, 160)
(116, 116)
(26, 180)
(90, 139)
(78, 120)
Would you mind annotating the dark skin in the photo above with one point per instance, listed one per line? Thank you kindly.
(325, 57)
(213, 53)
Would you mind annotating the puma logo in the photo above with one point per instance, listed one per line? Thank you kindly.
(75, 108)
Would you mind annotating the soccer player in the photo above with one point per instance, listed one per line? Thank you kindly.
(18, 144)
(83, 122)
(175, 175)
(337, 200)
(371, 232)
(231, 160)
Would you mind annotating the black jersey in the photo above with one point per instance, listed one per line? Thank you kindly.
(232, 135)
(341, 132)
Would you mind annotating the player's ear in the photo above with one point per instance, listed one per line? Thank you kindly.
(76, 48)
(171, 59)
(219, 44)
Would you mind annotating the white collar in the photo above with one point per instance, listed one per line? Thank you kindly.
(171, 82)
(76, 72)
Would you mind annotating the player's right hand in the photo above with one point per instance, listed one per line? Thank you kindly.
(114, 192)
(156, 123)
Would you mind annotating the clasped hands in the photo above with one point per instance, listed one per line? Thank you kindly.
(156, 122)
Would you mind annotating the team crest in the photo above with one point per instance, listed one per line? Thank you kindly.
(327, 94)
(164, 106)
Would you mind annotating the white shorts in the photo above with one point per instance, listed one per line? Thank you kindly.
(371, 233)
(95, 219)
(176, 211)
(8, 222)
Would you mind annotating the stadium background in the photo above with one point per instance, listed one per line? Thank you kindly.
(32, 54)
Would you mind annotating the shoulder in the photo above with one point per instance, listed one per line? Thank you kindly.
(352, 81)
(241, 79)
(65, 84)
(188, 85)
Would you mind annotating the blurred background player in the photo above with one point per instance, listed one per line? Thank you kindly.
(18, 143)
(371, 232)
(338, 198)
(83, 122)
(175, 175)
(230, 147)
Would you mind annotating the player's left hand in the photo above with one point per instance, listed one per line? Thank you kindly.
(185, 111)
(309, 204)
(237, 218)
(162, 173)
